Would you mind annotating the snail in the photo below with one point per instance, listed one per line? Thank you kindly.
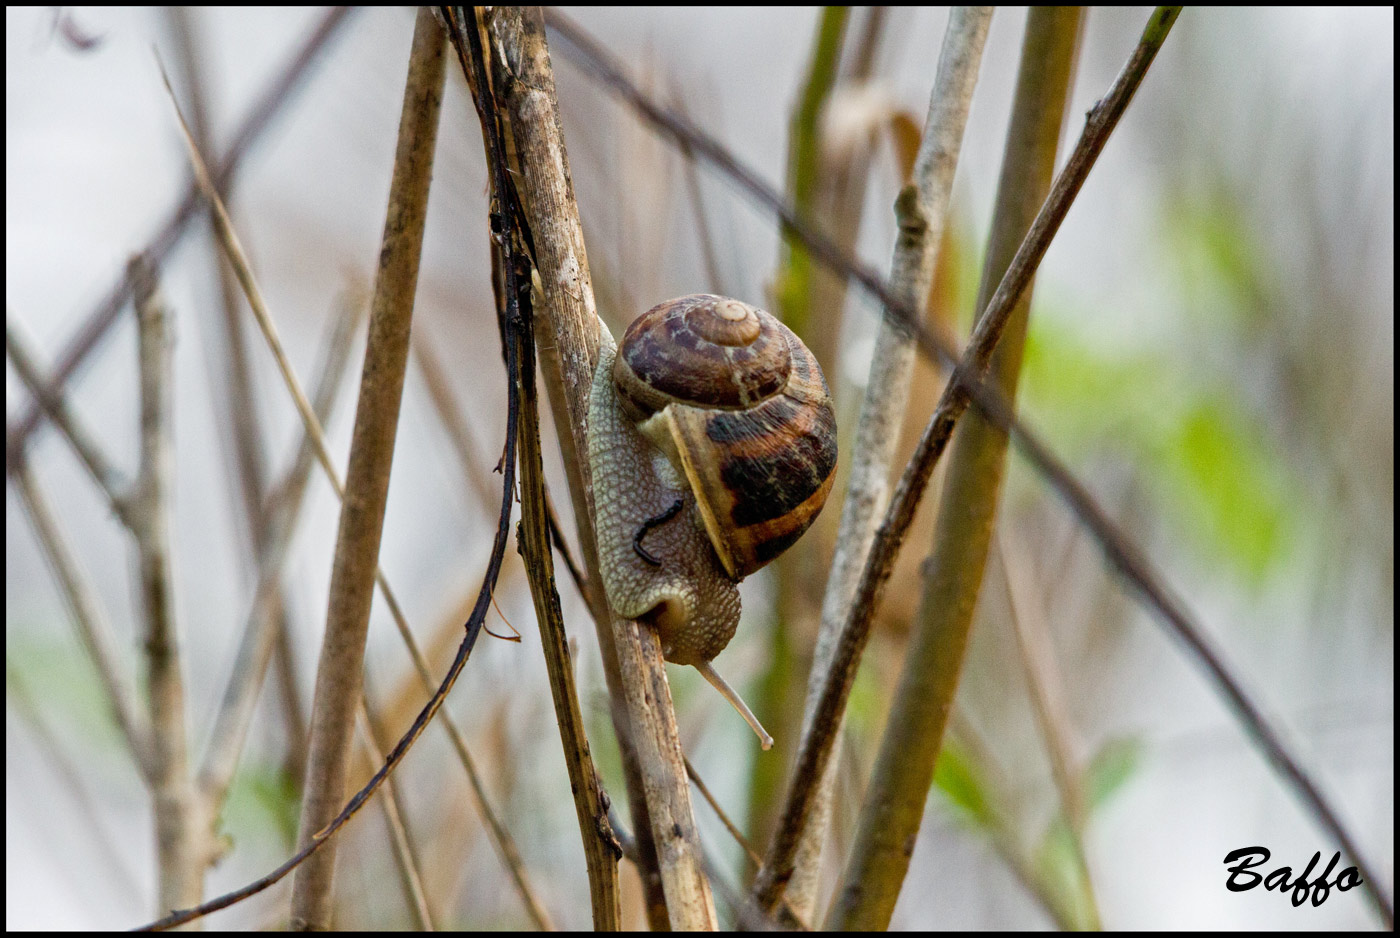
(712, 443)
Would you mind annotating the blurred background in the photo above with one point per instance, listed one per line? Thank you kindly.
(1211, 350)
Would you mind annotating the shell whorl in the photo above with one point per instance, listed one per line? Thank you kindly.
(705, 350)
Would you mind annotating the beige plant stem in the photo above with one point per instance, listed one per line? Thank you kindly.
(184, 848)
(88, 619)
(231, 380)
(241, 692)
(454, 421)
(53, 403)
(892, 809)
(569, 323)
(340, 669)
(920, 210)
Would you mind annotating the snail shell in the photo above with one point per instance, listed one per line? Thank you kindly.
(739, 406)
(711, 435)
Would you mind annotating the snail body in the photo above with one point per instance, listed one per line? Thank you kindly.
(712, 443)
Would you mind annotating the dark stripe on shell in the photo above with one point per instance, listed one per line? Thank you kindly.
(790, 451)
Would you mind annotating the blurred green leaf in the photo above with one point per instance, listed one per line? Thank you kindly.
(262, 792)
(1198, 453)
(961, 782)
(73, 694)
(1115, 762)
(1220, 266)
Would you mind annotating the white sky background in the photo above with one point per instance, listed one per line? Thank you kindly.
(93, 165)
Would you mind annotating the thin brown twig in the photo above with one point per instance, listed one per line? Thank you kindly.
(53, 402)
(454, 421)
(257, 643)
(230, 370)
(340, 670)
(723, 815)
(405, 862)
(1045, 685)
(91, 624)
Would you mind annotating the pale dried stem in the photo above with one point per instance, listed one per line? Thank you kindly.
(723, 815)
(314, 445)
(183, 836)
(921, 211)
(454, 422)
(225, 349)
(258, 641)
(1045, 684)
(53, 403)
(91, 624)
(183, 844)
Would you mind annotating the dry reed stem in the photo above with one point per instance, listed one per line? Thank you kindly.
(1046, 687)
(88, 619)
(341, 668)
(405, 863)
(260, 631)
(184, 844)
